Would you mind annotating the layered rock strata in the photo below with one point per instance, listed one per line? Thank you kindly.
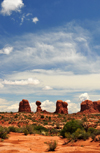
(24, 106)
(90, 107)
(61, 107)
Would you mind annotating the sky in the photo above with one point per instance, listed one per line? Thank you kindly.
(49, 50)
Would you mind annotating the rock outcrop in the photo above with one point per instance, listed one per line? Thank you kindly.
(61, 107)
(24, 106)
(38, 103)
(88, 106)
(96, 105)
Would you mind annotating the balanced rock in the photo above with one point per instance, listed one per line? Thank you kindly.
(61, 107)
(24, 106)
(38, 103)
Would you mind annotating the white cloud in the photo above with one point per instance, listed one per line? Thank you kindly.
(73, 107)
(83, 97)
(1, 85)
(8, 6)
(22, 19)
(33, 106)
(29, 81)
(6, 50)
(61, 82)
(48, 106)
(13, 108)
(68, 101)
(28, 14)
(7, 106)
(47, 88)
(35, 20)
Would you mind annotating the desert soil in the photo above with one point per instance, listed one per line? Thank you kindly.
(19, 143)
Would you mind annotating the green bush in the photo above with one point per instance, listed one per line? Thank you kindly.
(30, 129)
(13, 129)
(42, 116)
(25, 132)
(3, 133)
(40, 128)
(91, 130)
(71, 127)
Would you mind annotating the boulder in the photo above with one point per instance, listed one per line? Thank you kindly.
(24, 106)
(38, 103)
(61, 107)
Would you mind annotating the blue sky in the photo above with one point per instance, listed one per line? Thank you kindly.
(49, 50)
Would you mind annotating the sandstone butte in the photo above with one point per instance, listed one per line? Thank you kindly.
(88, 106)
(61, 107)
(24, 106)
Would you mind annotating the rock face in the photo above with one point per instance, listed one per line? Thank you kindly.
(61, 107)
(24, 106)
(96, 105)
(90, 107)
(38, 103)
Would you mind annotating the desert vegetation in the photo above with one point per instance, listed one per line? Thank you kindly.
(70, 128)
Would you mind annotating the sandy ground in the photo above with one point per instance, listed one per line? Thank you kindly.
(19, 143)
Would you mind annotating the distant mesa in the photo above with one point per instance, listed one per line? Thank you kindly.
(61, 107)
(88, 106)
(24, 106)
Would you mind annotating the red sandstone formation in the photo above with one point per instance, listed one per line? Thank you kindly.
(38, 103)
(24, 106)
(61, 107)
(90, 107)
(96, 105)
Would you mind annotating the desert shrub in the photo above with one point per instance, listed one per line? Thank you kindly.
(16, 116)
(42, 116)
(93, 136)
(25, 132)
(84, 119)
(53, 131)
(30, 129)
(78, 134)
(40, 128)
(50, 118)
(13, 129)
(45, 123)
(52, 145)
(91, 130)
(3, 132)
(71, 127)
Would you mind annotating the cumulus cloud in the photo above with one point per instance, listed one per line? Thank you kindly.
(7, 106)
(68, 101)
(8, 6)
(33, 106)
(83, 97)
(35, 20)
(48, 106)
(73, 107)
(47, 88)
(6, 50)
(1, 85)
(30, 81)
(13, 108)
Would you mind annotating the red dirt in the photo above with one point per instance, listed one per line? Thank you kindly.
(18, 143)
